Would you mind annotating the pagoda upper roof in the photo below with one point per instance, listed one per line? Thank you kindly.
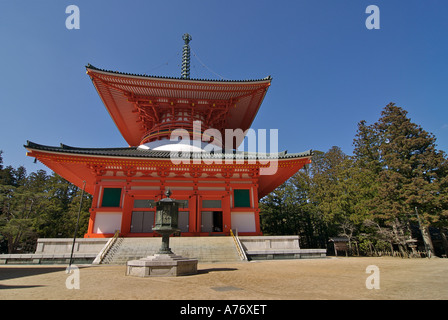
(121, 91)
(91, 67)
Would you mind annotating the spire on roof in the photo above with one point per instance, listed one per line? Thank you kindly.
(186, 56)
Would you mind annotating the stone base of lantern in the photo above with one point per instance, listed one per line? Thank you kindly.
(162, 265)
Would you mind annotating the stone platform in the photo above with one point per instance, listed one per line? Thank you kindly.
(58, 251)
(162, 265)
(277, 247)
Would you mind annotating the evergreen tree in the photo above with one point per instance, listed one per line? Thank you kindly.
(20, 205)
(278, 213)
(413, 171)
(313, 231)
(371, 196)
(410, 172)
(37, 205)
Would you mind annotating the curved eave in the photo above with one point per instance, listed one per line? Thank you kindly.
(114, 88)
(75, 164)
(135, 153)
(144, 76)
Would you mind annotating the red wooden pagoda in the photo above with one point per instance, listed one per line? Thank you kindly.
(220, 189)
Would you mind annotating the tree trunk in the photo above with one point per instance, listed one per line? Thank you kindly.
(444, 241)
(398, 235)
(10, 244)
(428, 241)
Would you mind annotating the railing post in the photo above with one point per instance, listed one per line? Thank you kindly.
(238, 245)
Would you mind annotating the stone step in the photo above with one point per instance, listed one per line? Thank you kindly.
(205, 249)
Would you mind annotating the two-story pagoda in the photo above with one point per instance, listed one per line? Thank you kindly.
(220, 189)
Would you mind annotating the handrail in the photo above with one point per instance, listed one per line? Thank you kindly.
(239, 247)
(108, 246)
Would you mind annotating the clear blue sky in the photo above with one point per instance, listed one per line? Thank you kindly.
(329, 71)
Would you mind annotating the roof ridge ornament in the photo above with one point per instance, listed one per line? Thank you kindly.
(186, 56)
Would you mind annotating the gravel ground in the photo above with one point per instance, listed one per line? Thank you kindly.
(307, 279)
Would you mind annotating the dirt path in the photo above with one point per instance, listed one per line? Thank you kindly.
(331, 278)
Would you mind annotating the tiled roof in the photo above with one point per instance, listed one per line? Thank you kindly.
(135, 152)
(89, 66)
(120, 91)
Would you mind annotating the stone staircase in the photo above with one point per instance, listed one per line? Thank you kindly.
(205, 249)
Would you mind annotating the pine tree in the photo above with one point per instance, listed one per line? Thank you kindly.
(37, 205)
(410, 171)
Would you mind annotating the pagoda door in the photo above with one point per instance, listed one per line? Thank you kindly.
(184, 222)
(211, 221)
(211, 215)
(142, 221)
(142, 215)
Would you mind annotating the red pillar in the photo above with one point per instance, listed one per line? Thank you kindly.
(256, 209)
(96, 195)
(126, 216)
(192, 220)
(226, 215)
(198, 213)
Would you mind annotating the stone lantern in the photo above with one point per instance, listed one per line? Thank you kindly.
(167, 217)
(164, 263)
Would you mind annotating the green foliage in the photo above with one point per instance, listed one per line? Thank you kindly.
(369, 197)
(37, 205)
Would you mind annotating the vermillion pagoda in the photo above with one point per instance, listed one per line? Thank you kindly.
(220, 188)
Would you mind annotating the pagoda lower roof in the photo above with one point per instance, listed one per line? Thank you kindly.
(135, 152)
(121, 92)
(81, 164)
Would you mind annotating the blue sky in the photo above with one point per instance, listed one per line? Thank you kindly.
(329, 71)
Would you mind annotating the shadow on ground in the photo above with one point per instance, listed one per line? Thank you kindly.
(205, 271)
(19, 272)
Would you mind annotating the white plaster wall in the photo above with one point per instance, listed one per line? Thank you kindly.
(107, 222)
(243, 221)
